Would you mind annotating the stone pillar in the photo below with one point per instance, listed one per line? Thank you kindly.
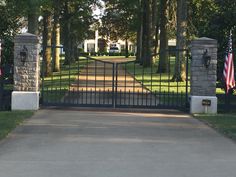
(26, 73)
(203, 77)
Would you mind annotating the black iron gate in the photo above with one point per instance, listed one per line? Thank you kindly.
(6, 87)
(115, 82)
(6, 79)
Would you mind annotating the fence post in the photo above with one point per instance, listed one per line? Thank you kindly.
(26, 73)
(203, 76)
(1, 75)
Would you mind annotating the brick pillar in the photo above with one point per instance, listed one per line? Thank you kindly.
(26, 73)
(203, 77)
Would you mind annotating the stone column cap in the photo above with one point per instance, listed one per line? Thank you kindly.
(26, 38)
(204, 41)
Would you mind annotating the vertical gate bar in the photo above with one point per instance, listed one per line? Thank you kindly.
(146, 97)
(151, 83)
(86, 93)
(164, 98)
(168, 97)
(173, 98)
(116, 84)
(73, 96)
(60, 84)
(177, 85)
(113, 85)
(155, 98)
(1, 77)
(129, 98)
(82, 100)
(78, 80)
(43, 76)
(187, 63)
(55, 94)
(95, 100)
(99, 97)
(160, 77)
(91, 97)
(46, 96)
(108, 96)
(69, 75)
(120, 97)
(134, 90)
(104, 82)
(142, 83)
(51, 68)
(125, 81)
(151, 75)
(138, 98)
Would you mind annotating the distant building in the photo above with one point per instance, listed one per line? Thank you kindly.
(100, 44)
(103, 45)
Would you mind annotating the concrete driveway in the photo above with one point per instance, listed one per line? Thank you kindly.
(107, 144)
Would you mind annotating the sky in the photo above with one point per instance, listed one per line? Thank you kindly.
(97, 12)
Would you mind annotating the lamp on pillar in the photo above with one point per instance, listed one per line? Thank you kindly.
(206, 58)
(23, 55)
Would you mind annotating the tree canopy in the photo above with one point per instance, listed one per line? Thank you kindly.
(145, 22)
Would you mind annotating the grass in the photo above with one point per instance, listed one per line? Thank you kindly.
(9, 121)
(56, 85)
(224, 123)
(160, 82)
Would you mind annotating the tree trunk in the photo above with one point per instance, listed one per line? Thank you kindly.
(33, 17)
(67, 43)
(47, 42)
(56, 39)
(144, 23)
(126, 48)
(157, 30)
(180, 62)
(163, 67)
(147, 25)
(154, 26)
(72, 48)
(139, 35)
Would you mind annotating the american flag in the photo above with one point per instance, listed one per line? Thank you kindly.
(229, 67)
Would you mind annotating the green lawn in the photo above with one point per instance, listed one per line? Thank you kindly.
(224, 123)
(56, 85)
(9, 121)
(155, 81)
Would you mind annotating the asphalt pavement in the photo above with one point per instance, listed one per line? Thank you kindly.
(60, 143)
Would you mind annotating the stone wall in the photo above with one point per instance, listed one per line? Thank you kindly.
(26, 74)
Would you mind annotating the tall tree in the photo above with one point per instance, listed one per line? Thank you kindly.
(147, 33)
(180, 62)
(163, 67)
(47, 32)
(56, 36)
(139, 32)
(33, 15)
